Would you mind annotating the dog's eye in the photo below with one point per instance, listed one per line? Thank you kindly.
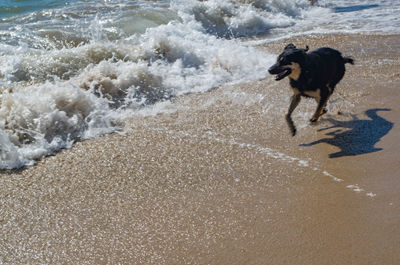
(281, 59)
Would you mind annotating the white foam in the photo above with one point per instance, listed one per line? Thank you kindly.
(355, 188)
(37, 120)
(332, 176)
(54, 97)
(228, 18)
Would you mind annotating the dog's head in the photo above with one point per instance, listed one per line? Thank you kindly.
(289, 62)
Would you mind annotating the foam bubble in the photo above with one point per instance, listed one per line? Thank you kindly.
(326, 173)
(355, 188)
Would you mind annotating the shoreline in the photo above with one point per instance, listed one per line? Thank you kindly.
(219, 180)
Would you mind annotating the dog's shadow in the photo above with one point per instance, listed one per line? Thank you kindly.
(356, 137)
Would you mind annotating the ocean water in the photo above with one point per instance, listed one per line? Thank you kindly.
(10, 8)
(72, 70)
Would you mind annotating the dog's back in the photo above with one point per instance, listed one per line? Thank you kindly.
(325, 67)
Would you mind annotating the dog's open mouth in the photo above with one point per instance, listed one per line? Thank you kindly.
(283, 74)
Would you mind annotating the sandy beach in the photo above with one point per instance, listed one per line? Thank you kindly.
(216, 178)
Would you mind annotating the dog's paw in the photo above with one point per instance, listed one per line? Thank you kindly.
(293, 130)
(313, 120)
(291, 126)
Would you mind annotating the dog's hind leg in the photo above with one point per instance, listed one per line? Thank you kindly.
(295, 100)
(324, 110)
(320, 108)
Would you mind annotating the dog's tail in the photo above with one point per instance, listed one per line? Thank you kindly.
(348, 60)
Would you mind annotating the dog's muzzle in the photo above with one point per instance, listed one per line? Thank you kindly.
(280, 72)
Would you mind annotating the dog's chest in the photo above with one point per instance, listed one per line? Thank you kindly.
(301, 87)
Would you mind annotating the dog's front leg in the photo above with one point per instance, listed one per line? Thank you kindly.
(320, 108)
(295, 100)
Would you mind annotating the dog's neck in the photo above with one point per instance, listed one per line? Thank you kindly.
(296, 71)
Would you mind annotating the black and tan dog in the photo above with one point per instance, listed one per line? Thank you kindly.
(314, 74)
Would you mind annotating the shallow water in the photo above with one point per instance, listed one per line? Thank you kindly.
(9, 8)
(72, 70)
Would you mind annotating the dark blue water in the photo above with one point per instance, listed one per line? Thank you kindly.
(10, 8)
(353, 8)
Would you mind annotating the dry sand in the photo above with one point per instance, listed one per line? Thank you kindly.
(219, 180)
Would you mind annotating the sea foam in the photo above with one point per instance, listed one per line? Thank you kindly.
(53, 97)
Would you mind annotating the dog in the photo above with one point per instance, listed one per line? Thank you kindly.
(314, 74)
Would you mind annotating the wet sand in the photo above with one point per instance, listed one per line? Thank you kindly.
(217, 179)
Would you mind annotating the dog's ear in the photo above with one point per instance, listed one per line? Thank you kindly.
(306, 49)
(290, 46)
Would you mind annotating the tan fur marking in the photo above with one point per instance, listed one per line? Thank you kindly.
(296, 71)
(295, 90)
(313, 94)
